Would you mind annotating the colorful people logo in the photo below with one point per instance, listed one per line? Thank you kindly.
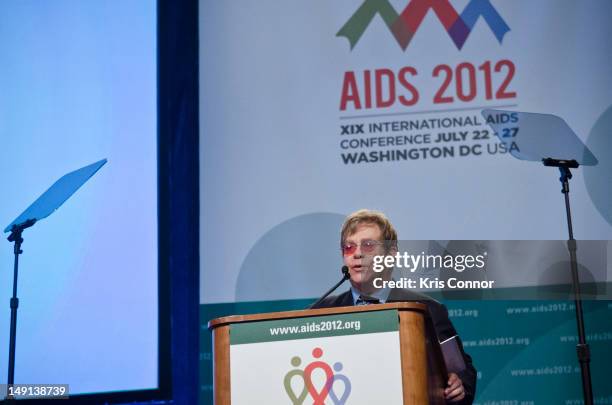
(332, 381)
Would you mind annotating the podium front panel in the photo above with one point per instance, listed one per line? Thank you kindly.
(351, 358)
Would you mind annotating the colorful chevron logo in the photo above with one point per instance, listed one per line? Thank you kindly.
(405, 25)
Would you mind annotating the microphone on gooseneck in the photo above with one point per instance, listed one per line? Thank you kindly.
(345, 276)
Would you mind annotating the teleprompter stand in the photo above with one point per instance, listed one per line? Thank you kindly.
(537, 137)
(582, 348)
(15, 236)
(44, 206)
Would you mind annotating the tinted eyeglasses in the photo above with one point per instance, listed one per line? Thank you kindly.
(367, 246)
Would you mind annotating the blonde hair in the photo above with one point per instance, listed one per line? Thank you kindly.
(365, 216)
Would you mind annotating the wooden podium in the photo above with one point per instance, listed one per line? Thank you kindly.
(423, 372)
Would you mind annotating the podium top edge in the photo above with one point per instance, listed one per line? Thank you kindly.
(304, 313)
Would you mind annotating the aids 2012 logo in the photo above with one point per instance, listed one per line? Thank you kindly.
(334, 380)
(405, 25)
(451, 83)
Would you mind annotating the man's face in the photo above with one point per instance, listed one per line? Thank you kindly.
(359, 261)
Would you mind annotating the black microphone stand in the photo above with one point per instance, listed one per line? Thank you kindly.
(345, 276)
(582, 348)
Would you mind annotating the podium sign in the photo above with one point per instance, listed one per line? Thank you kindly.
(335, 359)
(373, 354)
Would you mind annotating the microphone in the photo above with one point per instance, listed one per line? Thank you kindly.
(345, 276)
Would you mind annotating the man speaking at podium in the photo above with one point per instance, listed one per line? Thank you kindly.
(366, 234)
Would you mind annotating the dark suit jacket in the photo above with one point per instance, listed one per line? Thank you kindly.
(442, 324)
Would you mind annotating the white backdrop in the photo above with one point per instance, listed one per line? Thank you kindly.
(275, 186)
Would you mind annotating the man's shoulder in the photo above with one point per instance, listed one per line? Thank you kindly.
(341, 300)
(437, 310)
(401, 295)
